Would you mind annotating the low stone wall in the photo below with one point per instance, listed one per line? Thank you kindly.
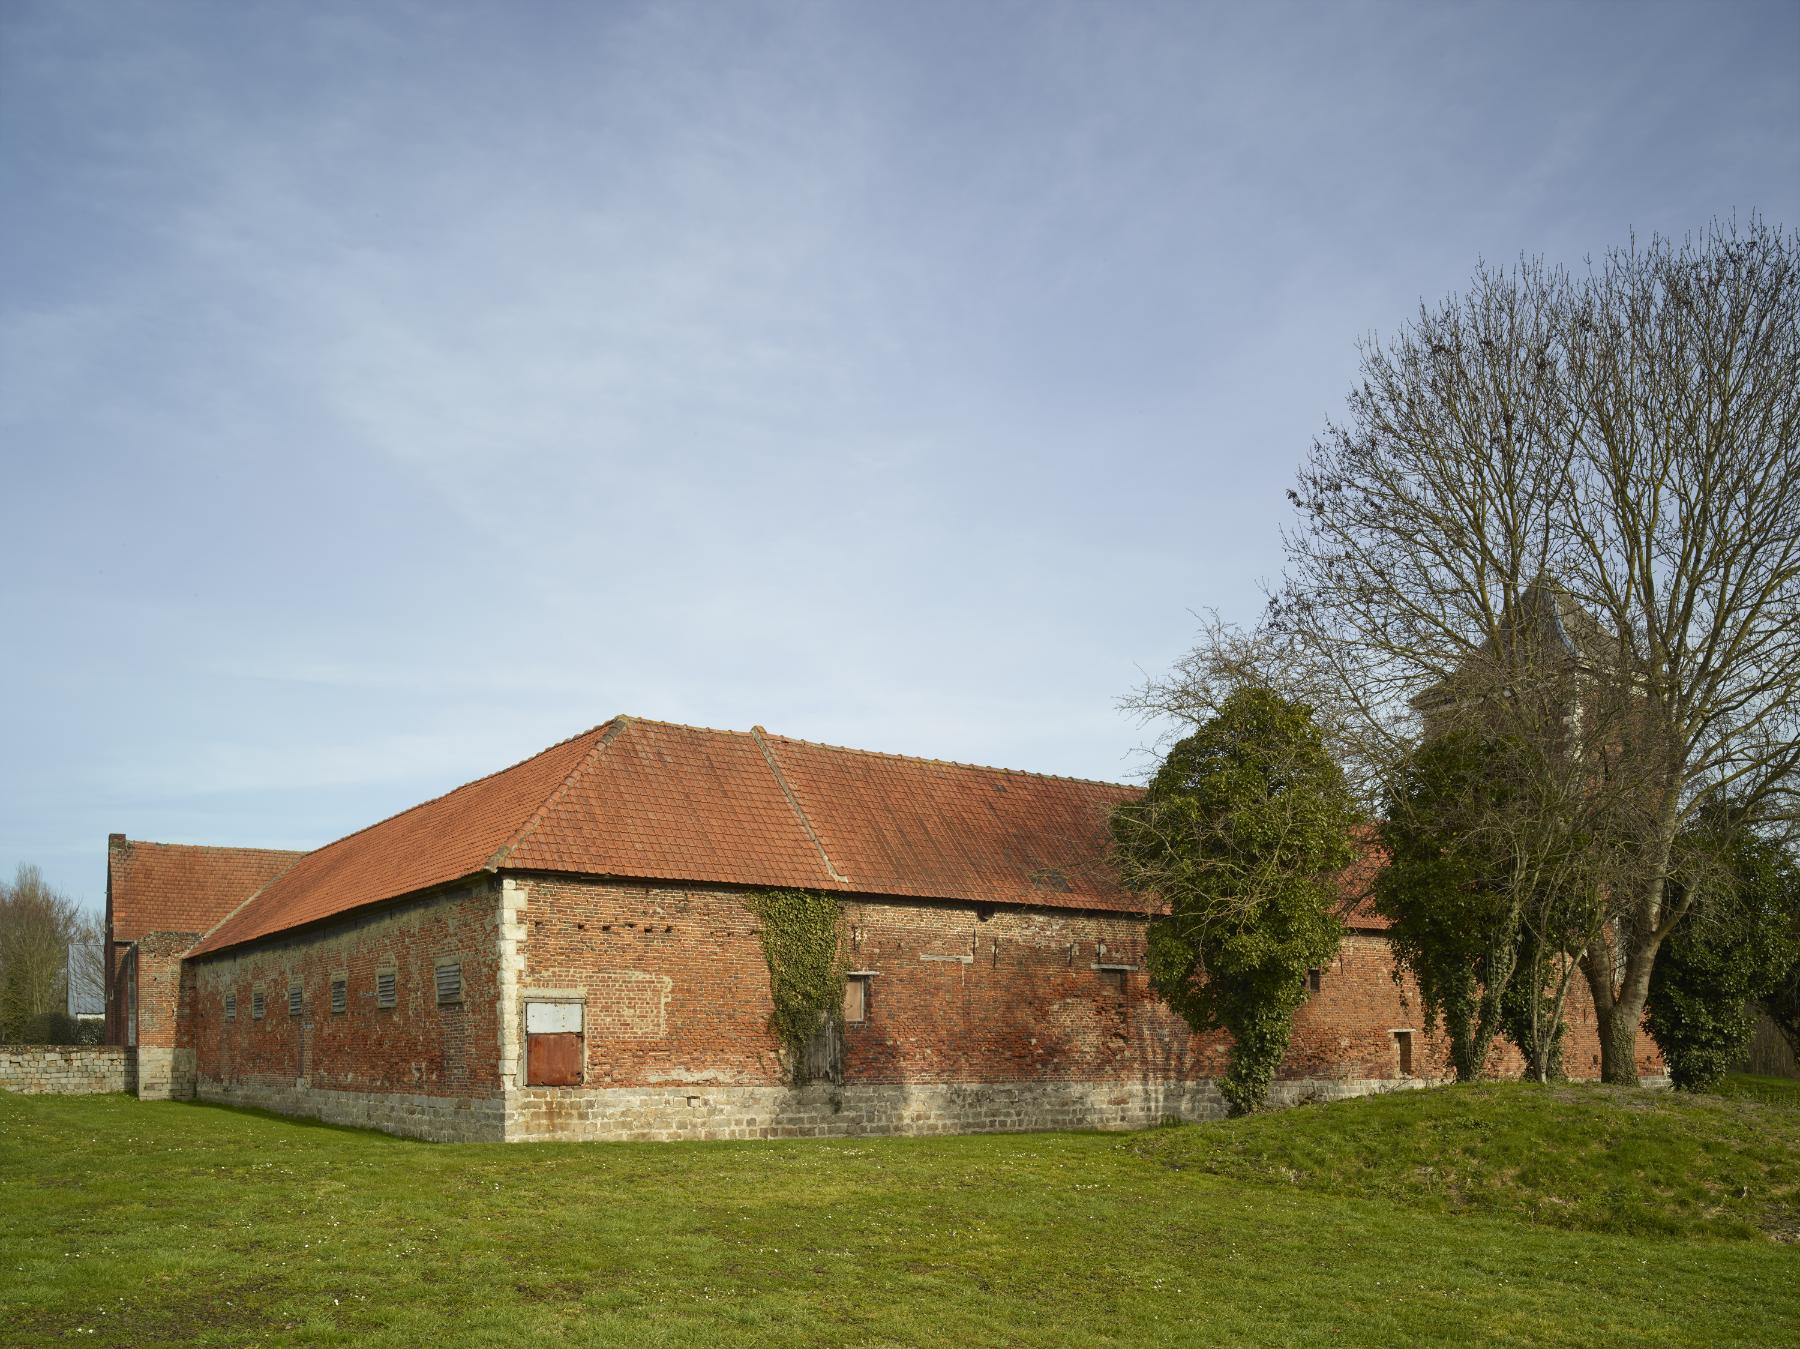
(438, 1119)
(668, 1113)
(66, 1070)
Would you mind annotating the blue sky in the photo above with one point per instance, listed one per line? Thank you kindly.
(389, 390)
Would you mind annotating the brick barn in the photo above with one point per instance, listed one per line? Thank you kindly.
(563, 950)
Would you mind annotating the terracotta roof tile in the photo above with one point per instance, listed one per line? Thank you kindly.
(180, 887)
(659, 801)
(445, 839)
(673, 803)
(652, 800)
(924, 827)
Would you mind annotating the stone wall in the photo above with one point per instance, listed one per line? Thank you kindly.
(437, 1119)
(663, 1114)
(419, 1067)
(66, 1070)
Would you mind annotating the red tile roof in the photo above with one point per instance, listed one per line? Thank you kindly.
(179, 887)
(445, 839)
(922, 827)
(651, 800)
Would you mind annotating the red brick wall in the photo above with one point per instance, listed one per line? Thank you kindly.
(417, 1047)
(1345, 1029)
(677, 989)
(160, 1024)
(678, 992)
(118, 956)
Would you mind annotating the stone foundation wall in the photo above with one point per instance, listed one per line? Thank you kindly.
(165, 1074)
(437, 1119)
(66, 1070)
(662, 1114)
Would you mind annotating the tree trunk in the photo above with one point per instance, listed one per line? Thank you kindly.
(1618, 1014)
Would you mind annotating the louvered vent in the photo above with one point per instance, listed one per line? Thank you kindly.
(256, 1006)
(231, 1007)
(294, 1000)
(340, 994)
(384, 988)
(449, 983)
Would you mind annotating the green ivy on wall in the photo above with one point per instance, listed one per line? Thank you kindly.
(806, 979)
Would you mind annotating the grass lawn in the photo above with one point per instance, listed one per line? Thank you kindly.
(1573, 1215)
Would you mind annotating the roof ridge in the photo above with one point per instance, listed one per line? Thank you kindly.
(684, 725)
(610, 730)
(758, 734)
(214, 847)
(949, 763)
(418, 805)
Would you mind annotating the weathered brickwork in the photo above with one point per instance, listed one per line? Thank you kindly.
(66, 1070)
(165, 1042)
(979, 1018)
(419, 1067)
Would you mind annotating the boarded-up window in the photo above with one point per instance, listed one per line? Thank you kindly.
(231, 1007)
(1403, 1041)
(386, 982)
(856, 999)
(1315, 980)
(449, 983)
(294, 1000)
(1112, 977)
(256, 1006)
(553, 1044)
(340, 993)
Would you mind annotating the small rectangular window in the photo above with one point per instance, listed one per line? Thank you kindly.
(340, 993)
(231, 1007)
(1403, 1041)
(1112, 977)
(449, 983)
(294, 1000)
(1315, 979)
(856, 999)
(386, 982)
(256, 1006)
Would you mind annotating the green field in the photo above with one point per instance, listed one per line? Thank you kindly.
(1495, 1213)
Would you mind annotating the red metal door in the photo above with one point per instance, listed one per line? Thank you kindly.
(553, 1060)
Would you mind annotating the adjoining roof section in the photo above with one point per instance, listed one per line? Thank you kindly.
(892, 825)
(181, 887)
(445, 839)
(654, 801)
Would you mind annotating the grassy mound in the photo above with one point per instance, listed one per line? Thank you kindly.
(138, 1223)
(1602, 1159)
(1768, 1090)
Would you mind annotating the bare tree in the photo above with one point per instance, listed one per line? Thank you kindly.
(37, 927)
(1567, 510)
